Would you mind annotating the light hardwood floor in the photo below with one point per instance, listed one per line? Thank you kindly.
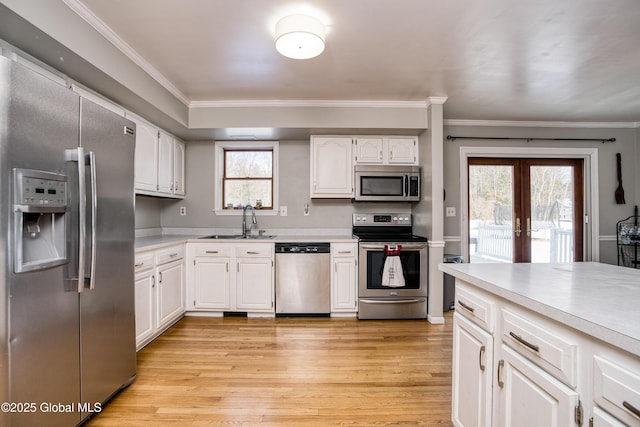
(290, 372)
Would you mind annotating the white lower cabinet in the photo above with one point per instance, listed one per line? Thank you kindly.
(530, 397)
(344, 279)
(159, 291)
(527, 370)
(211, 275)
(144, 307)
(232, 277)
(472, 374)
(616, 390)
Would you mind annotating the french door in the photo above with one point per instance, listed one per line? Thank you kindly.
(525, 210)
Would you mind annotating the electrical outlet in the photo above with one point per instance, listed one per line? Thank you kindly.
(451, 211)
(283, 211)
(183, 210)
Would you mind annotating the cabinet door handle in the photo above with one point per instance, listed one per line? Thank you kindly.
(211, 252)
(524, 342)
(466, 307)
(344, 252)
(253, 253)
(480, 357)
(173, 255)
(635, 411)
(160, 277)
(153, 281)
(139, 264)
(500, 368)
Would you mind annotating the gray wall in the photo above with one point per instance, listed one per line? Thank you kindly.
(627, 141)
(148, 212)
(294, 193)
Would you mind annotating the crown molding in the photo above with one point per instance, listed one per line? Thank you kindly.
(310, 103)
(541, 124)
(437, 100)
(103, 29)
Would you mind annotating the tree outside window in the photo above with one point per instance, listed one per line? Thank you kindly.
(247, 178)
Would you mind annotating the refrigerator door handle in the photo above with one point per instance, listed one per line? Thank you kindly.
(77, 155)
(94, 210)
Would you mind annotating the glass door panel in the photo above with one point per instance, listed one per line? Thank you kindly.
(525, 210)
(491, 212)
(550, 226)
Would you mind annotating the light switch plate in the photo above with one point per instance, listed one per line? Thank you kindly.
(283, 211)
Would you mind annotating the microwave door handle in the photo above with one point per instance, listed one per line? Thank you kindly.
(405, 180)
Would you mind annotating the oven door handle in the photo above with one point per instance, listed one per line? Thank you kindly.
(399, 301)
(405, 246)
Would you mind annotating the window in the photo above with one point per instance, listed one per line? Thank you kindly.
(247, 175)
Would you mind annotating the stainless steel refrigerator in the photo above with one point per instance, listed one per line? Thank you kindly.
(66, 275)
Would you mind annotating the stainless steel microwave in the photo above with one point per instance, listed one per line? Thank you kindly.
(387, 183)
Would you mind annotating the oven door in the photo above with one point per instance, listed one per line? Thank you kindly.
(413, 258)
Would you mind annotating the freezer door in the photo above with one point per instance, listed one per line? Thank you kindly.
(40, 350)
(107, 326)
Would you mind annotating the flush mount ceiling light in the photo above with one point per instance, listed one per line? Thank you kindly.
(299, 36)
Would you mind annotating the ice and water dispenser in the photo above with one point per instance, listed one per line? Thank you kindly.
(40, 207)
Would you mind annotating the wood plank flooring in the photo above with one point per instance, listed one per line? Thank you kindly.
(290, 372)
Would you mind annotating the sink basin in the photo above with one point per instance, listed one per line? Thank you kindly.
(237, 236)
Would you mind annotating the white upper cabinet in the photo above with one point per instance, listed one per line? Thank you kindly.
(178, 167)
(165, 163)
(387, 150)
(331, 167)
(402, 150)
(146, 156)
(369, 150)
(159, 161)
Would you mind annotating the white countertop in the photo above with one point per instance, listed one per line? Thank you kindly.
(597, 299)
(157, 241)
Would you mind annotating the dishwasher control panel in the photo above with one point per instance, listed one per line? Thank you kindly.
(302, 248)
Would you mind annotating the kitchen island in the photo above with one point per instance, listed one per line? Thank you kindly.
(546, 344)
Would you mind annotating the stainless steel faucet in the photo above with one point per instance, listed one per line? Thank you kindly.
(254, 220)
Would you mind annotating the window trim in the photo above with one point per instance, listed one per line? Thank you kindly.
(220, 146)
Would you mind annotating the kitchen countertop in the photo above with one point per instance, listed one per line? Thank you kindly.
(158, 241)
(597, 299)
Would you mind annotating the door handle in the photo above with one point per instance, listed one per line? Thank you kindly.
(517, 230)
(77, 155)
(500, 368)
(480, 357)
(91, 156)
(528, 227)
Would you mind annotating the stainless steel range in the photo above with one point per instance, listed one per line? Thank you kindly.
(378, 233)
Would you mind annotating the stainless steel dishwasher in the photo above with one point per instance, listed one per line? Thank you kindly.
(303, 279)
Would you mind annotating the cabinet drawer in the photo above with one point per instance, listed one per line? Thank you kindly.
(212, 250)
(265, 251)
(344, 249)
(173, 253)
(479, 309)
(616, 388)
(144, 261)
(544, 345)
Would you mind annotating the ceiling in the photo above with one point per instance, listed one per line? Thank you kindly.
(543, 60)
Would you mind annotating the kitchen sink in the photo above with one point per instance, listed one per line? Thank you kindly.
(238, 236)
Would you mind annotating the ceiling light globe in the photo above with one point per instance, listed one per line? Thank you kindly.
(300, 37)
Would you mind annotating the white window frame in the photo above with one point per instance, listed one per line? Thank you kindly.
(591, 194)
(220, 146)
